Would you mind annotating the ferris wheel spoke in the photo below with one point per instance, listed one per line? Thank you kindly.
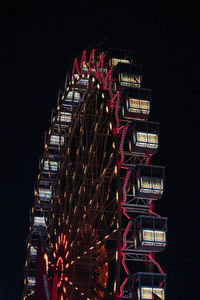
(90, 154)
(81, 196)
(109, 295)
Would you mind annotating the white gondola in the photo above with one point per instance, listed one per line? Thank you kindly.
(136, 103)
(76, 96)
(39, 221)
(148, 182)
(51, 165)
(150, 233)
(33, 251)
(128, 75)
(57, 140)
(31, 281)
(45, 194)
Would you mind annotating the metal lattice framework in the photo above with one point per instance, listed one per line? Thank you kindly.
(87, 197)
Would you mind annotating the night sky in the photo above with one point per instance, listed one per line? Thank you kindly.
(39, 40)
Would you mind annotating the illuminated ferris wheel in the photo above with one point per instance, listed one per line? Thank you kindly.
(95, 192)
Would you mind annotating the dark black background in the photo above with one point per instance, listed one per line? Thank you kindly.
(38, 43)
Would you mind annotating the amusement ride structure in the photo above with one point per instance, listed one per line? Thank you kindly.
(93, 209)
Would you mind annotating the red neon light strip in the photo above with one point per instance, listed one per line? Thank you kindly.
(124, 168)
(125, 232)
(151, 210)
(97, 70)
(109, 86)
(105, 81)
(148, 159)
(81, 63)
(121, 145)
(112, 100)
(75, 66)
(92, 53)
(156, 263)
(116, 114)
(121, 127)
(92, 56)
(124, 186)
(123, 284)
(123, 263)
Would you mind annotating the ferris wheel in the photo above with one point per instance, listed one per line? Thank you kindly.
(95, 191)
